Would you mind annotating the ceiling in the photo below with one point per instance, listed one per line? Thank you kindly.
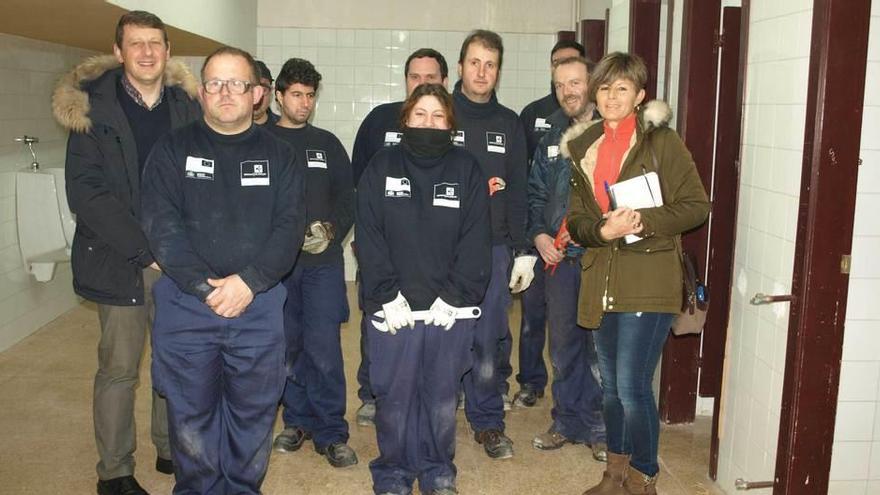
(89, 24)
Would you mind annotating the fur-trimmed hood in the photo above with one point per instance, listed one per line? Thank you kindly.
(654, 114)
(70, 99)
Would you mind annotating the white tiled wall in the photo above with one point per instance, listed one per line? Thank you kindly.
(773, 135)
(618, 27)
(28, 70)
(363, 68)
(855, 465)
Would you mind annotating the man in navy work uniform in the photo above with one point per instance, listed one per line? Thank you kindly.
(224, 214)
(577, 395)
(263, 114)
(532, 376)
(379, 129)
(115, 113)
(494, 135)
(314, 397)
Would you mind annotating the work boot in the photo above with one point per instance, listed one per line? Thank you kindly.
(291, 439)
(495, 443)
(164, 466)
(550, 440)
(527, 397)
(123, 485)
(338, 454)
(639, 483)
(600, 451)
(612, 478)
(366, 414)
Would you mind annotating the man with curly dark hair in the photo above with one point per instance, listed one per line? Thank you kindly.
(314, 397)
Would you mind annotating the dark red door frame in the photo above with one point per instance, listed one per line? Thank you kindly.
(593, 38)
(734, 40)
(679, 370)
(835, 91)
(644, 39)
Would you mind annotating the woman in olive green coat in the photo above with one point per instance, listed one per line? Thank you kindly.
(630, 292)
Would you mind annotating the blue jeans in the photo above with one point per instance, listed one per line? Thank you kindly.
(577, 396)
(314, 397)
(532, 333)
(629, 346)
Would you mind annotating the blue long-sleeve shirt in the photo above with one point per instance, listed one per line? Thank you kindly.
(215, 205)
(494, 135)
(423, 229)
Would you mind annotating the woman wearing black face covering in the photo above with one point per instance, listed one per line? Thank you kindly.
(424, 251)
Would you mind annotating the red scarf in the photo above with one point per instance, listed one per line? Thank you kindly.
(610, 157)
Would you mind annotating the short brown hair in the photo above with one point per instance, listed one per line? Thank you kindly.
(237, 52)
(139, 18)
(489, 39)
(429, 89)
(618, 65)
(575, 60)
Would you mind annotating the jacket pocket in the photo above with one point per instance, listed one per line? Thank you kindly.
(649, 245)
(588, 258)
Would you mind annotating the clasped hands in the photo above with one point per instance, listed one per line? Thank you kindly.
(230, 297)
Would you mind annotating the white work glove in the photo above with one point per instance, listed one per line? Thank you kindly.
(523, 272)
(318, 237)
(398, 314)
(441, 314)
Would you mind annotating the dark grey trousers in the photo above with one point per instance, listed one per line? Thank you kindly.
(124, 330)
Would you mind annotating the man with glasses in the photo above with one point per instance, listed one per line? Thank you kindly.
(115, 108)
(263, 114)
(224, 213)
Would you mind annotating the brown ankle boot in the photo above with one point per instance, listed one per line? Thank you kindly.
(638, 483)
(612, 478)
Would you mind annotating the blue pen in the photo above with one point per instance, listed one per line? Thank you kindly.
(612, 203)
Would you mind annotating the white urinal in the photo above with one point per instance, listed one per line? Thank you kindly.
(45, 223)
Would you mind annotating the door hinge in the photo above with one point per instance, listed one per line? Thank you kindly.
(718, 40)
(845, 263)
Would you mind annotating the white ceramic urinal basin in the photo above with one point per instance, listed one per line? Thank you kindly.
(45, 224)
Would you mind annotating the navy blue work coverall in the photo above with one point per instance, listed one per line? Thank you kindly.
(314, 397)
(423, 230)
(216, 205)
(494, 135)
(532, 373)
(381, 128)
(577, 395)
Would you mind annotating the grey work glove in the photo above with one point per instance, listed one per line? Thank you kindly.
(318, 237)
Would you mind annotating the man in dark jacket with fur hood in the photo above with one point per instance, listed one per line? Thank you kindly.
(115, 108)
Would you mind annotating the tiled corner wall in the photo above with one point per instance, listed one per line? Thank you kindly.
(363, 68)
(855, 463)
(773, 136)
(28, 71)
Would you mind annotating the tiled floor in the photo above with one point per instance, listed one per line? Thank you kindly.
(47, 446)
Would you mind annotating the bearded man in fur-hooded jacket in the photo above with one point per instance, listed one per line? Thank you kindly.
(115, 107)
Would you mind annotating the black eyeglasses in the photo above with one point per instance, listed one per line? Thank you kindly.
(234, 86)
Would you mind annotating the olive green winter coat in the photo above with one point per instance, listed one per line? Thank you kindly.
(645, 275)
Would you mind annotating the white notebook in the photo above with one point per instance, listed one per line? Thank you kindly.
(642, 191)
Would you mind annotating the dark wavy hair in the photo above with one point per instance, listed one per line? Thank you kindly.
(297, 71)
(437, 91)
